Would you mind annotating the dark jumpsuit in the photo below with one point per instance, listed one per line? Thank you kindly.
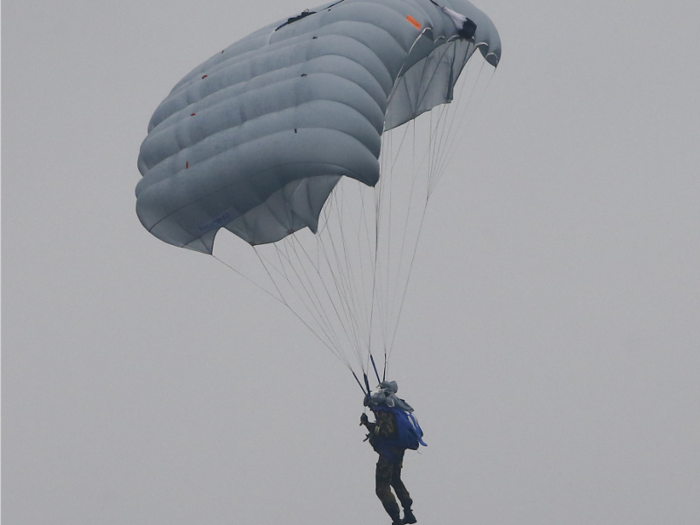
(389, 465)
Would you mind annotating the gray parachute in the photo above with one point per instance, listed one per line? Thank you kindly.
(255, 139)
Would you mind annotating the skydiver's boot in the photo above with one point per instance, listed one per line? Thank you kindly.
(395, 516)
(408, 516)
(391, 507)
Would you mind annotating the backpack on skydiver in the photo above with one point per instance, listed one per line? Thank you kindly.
(409, 432)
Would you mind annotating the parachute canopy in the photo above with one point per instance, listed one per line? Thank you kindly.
(255, 139)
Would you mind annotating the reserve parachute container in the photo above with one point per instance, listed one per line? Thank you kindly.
(260, 138)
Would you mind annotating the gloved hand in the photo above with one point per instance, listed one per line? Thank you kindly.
(364, 420)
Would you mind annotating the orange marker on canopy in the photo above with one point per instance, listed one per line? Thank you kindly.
(413, 22)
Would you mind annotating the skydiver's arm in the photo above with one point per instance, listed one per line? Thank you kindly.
(364, 420)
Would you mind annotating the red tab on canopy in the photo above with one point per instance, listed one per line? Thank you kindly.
(413, 22)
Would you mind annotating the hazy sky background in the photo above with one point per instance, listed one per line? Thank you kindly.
(550, 342)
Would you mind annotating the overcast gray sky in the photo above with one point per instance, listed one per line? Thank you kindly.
(550, 342)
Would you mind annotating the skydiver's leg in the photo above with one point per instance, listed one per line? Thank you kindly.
(384, 475)
(400, 489)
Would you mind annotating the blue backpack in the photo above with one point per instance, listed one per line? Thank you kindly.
(409, 432)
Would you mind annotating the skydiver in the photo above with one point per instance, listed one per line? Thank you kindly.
(388, 437)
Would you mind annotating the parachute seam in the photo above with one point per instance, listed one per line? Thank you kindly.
(229, 64)
(183, 113)
(401, 14)
(370, 6)
(357, 177)
(211, 137)
(231, 60)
